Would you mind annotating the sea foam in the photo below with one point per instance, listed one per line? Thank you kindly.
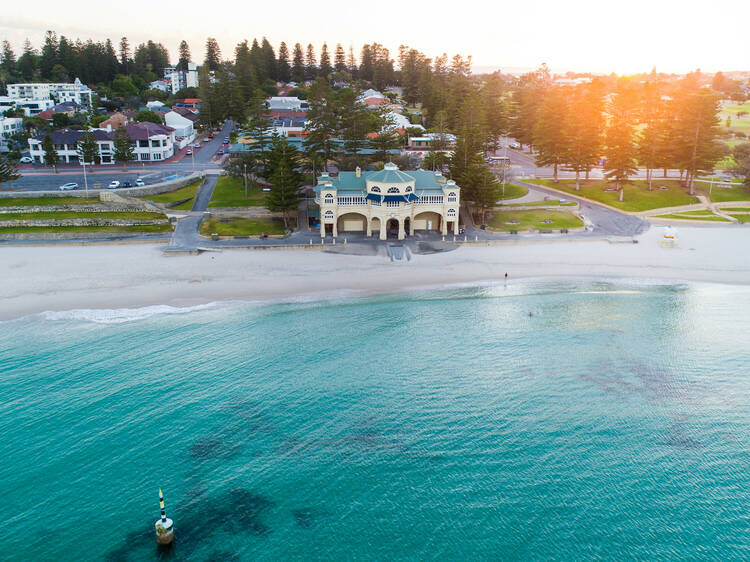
(121, 315)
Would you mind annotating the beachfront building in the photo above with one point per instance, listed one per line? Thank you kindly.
(387, 203)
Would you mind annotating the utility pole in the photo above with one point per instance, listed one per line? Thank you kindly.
(244, 175)
(85, 181)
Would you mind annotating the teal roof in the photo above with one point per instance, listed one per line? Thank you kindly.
(348, 181)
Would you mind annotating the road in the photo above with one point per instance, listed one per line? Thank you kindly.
(40, 178)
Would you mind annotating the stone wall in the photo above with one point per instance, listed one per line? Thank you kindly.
(81, 222)
(154, 189)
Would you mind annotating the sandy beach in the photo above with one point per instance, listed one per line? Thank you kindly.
(61, 277)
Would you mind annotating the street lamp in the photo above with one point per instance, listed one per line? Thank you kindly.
(244, 175)
(85, 181)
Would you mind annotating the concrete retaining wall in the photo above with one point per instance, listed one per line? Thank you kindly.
(68, 208)
(154, 189)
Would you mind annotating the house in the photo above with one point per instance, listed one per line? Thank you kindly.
(161, 85)
(115, 121)
(289, 127)
(60, 92)
(9, 126)
(179, 79)
(425, 142)
(186, 113)
(30, 107)
(155, 105)
(66, 146)
(151, 142)
(193, 104)
(395, 122)
(183, 127)
(283, 103)
(387, 203)
(68, 108)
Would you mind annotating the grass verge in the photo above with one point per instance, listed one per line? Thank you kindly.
(145, 229)
(512, 191)
(130, 215)
(533, 219)
(187, 192)
(44, 201)
(238, 226)
(230, 192)
(636, 196)
(685, 216)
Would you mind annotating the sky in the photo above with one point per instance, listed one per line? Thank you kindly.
(624, 36)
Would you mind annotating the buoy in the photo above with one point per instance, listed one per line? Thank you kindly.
(164, 526)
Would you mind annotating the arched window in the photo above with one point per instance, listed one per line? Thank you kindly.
(408, 188)
(452, 197)
(329, 214)
(375, 189)
(393, 190)
(328, 199)
(451, 212)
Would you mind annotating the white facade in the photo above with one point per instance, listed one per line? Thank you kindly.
(68, 151)
(60, 92)
(183, 127)
(8, 127)
(179, 79)
(280, 103)
(30, 107)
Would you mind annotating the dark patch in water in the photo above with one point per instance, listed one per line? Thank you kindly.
(303, 517)
(678, 438)
(237, 511)
(209, 448)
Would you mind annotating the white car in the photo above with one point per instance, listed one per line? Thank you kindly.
(515, 145)
(113, 184)
(68, 186)
(139, 182)
(189, 152)
(26, 160)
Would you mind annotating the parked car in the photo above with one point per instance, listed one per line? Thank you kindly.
(139, 182)
(189, 152)
(197, 145)
(515, 144)
(26, 160)
(210, 135)
(127, 184)
(68, 186)
(114, 184)
(226, 140)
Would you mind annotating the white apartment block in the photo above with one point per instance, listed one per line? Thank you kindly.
(179, 79)
(61, 92)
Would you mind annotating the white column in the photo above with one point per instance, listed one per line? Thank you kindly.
(382, 229)
(401, 229)
(443, 224)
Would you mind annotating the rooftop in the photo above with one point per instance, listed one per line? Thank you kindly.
(348, 181)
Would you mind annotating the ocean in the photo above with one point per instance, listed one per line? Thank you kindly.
(557, 419)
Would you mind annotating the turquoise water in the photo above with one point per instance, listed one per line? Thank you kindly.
(614, 422)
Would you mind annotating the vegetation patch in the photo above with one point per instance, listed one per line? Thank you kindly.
(52, 201)
(741, 218)
(538, 220)
(188, 192)
(550, 203)
(125, 215)
(230, 192)
(738, 192)
(145, 229)
(238, 226)
(688, 217)
(636, 197)
(512, 191)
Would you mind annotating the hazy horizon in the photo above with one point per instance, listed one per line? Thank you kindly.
(580, 36)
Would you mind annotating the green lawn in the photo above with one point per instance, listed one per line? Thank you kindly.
(230, 192)
(40, 201)
(187, 192)
(694, 217)
(512, 191)
(636, 197)
(736, 209)
(738, 192)
(550, 203)
(130, 215)
(533, 219)
(146, 229)
(238, 226)
(741, 218)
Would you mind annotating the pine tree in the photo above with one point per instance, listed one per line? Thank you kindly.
(88, 150)
(351, 62)
(325, 62)
(244, 70)
(298, 64)
(28, 61)
(8, 64)
(124, 56)
(269, 60)
(259, 124)
(551, 131)
(284, 70)
(285, 179)
(339, 59)
(620, 149)
(584, 130)
(322, 121)
(311, 64)
(123, 146)
(213, 54)
(48, 57)
(8, 171)
(51, 157)
(182, 64)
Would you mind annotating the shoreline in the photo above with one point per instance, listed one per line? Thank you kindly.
(112, 277)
